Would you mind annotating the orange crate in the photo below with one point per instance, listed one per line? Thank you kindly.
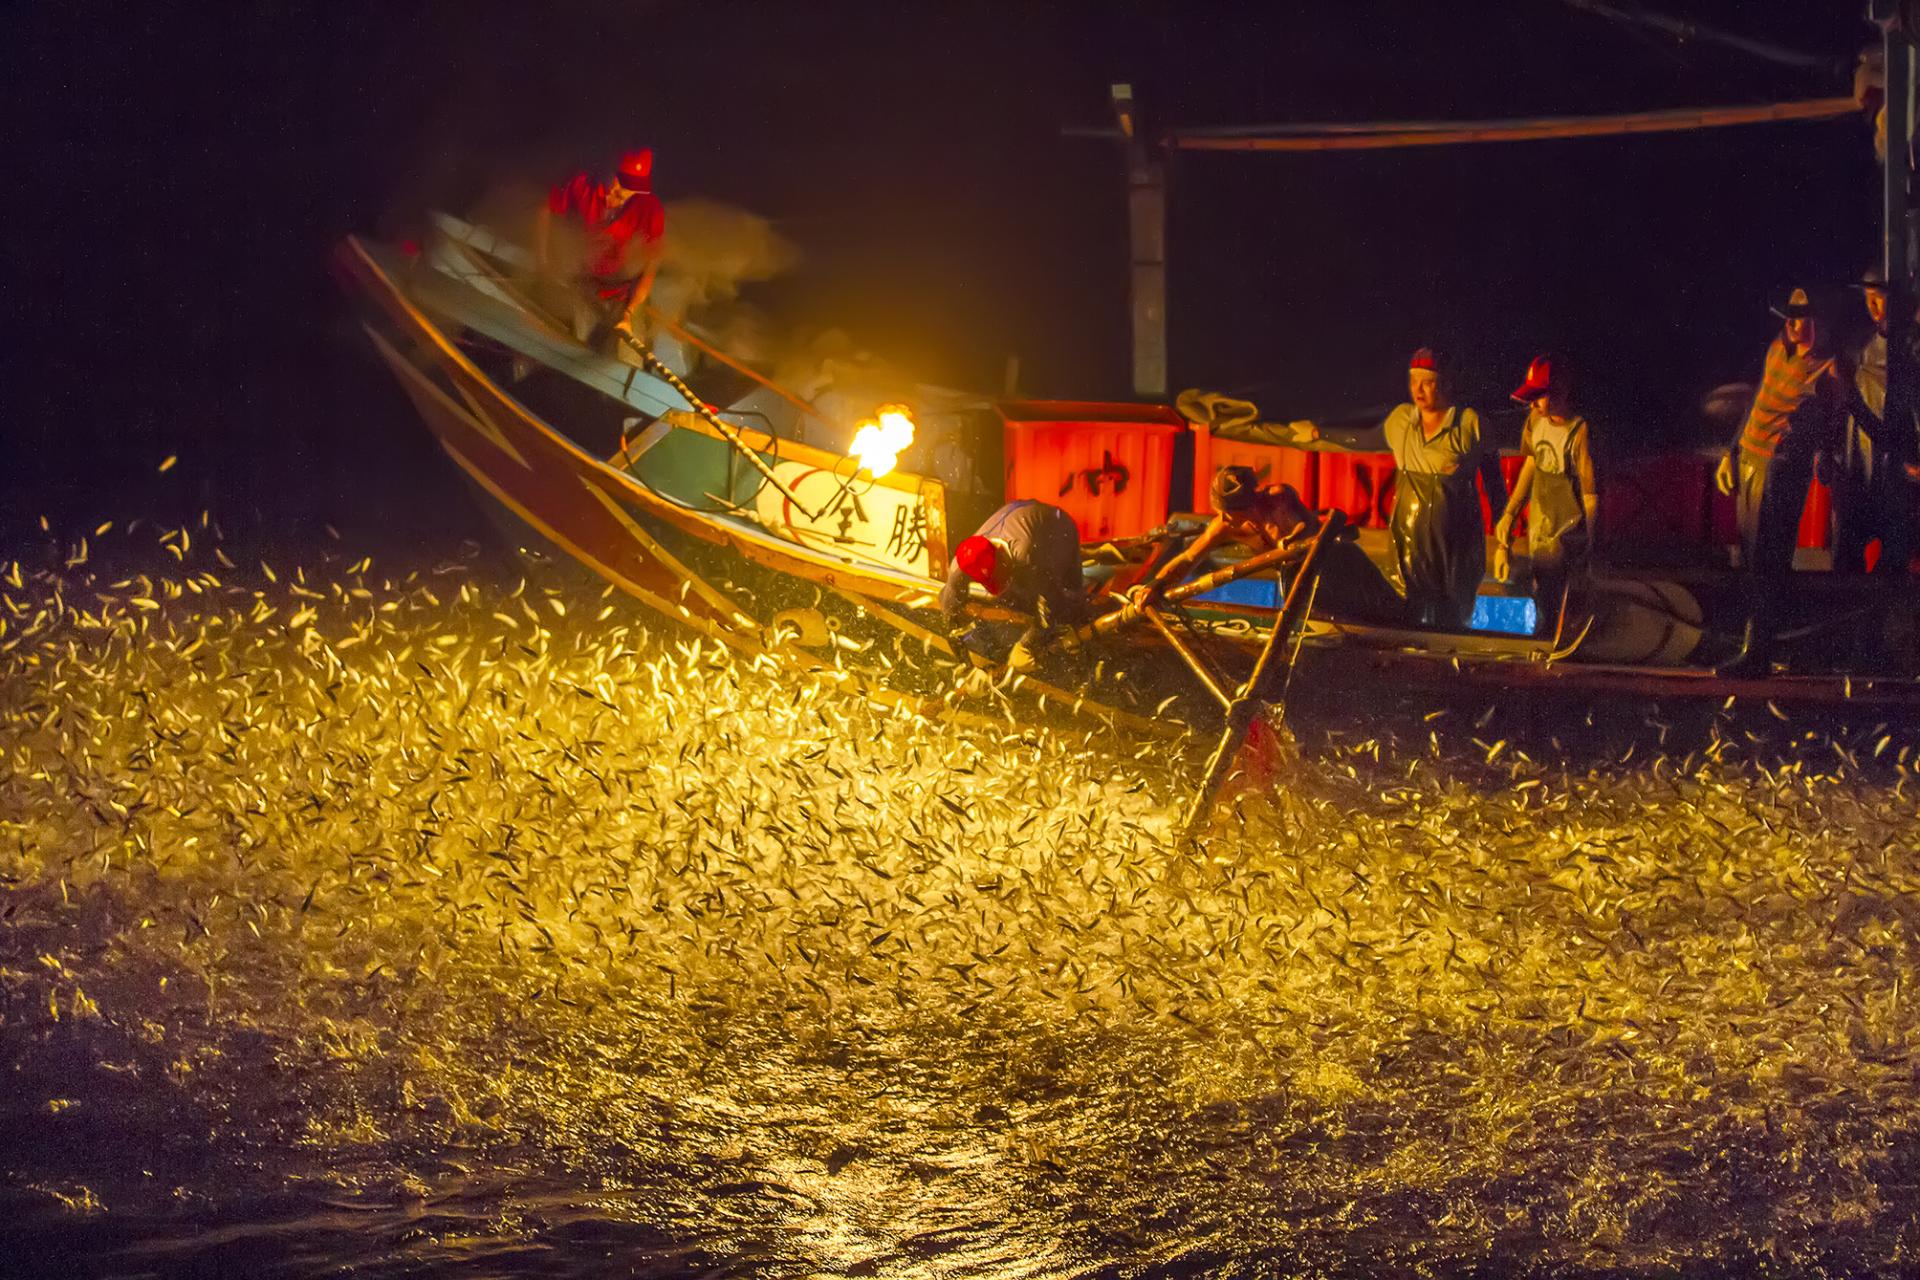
(1108, 465)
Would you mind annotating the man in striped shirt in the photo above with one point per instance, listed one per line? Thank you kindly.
(1789, 433)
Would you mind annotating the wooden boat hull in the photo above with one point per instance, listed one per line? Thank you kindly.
(683, 513)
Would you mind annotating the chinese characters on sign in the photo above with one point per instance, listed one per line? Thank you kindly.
(873, 522)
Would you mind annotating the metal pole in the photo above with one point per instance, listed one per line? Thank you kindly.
(1147, 249)
(1899, 107)
(1913, 215)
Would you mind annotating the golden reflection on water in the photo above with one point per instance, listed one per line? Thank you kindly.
(407, 888)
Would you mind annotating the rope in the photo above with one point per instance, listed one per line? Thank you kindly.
(685, 336)
(658, 367)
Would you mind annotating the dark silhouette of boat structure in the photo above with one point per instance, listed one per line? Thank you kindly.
(743, 518)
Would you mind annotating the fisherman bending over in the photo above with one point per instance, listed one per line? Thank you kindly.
(1027, 556)
(1267, 519)
(1557, 479)
(623, 221)
(1790, 431)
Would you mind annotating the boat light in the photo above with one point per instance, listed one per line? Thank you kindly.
(881, 438)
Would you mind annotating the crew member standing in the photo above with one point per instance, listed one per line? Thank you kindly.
(1873, 499)
(1438, 537)
(1790, 431)
(1027, 557)
(1557, 486)
(623, 222)
(1266, 519)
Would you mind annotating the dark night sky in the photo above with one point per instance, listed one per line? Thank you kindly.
(184, 171)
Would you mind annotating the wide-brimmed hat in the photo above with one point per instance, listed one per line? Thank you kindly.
(1797, 306)
(1871, 278)
(1234, 489)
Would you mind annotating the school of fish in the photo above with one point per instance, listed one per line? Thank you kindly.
(444, 919)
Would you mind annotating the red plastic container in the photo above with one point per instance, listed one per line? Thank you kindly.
(1662, 500)
(1360, 484)
(1274, 464)
(1109, 465)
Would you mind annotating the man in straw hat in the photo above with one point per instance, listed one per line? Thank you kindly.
(1790, 430)
(1264, 519)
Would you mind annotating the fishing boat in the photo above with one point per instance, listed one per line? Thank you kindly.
(691, 480)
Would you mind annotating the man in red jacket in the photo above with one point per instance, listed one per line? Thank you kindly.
(623, 222)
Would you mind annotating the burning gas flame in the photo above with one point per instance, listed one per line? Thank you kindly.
(880, 439)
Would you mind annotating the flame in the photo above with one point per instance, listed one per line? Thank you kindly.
(880, 439)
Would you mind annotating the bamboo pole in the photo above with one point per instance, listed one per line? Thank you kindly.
(1252, 696)
(1367, 137)
(1200, 670)
(1128, 613)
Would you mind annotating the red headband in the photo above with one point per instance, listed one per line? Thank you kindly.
(1423, 359)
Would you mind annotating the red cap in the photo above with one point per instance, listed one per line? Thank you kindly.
(979, 559)
(1539, 381)
(1424, 359)
(636, 168)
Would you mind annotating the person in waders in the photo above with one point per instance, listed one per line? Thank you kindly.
(1261, 520)
(1789, 434)
(1873, 500)
(1557, 488)
(1438, 539)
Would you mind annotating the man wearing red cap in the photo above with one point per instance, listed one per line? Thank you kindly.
(623, 222)
(1557, 478)
(1792, 427)
(1027, 557)
(1437, 453)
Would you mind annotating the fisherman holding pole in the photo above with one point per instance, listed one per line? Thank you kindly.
(623, 222)
(1264, 520)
